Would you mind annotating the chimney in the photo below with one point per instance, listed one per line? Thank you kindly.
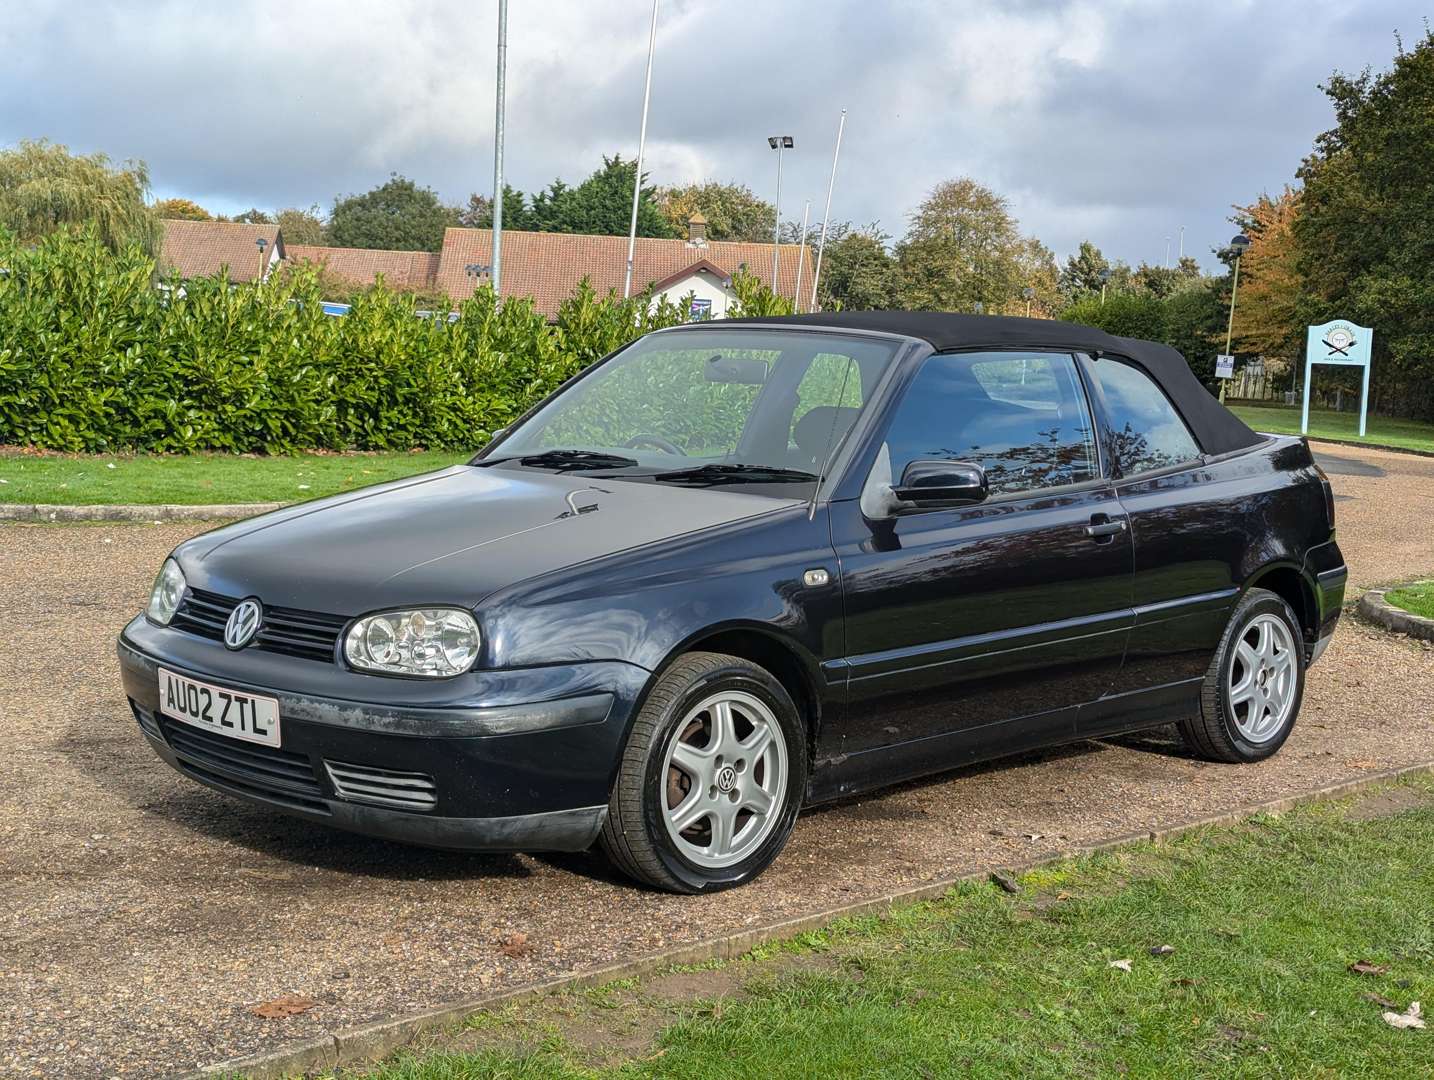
(697, 230)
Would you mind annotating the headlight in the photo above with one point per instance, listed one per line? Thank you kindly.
(166, 594)
(432, 641)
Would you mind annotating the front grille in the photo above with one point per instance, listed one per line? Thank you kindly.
(382, 787)
(264, 771)
(310, 635)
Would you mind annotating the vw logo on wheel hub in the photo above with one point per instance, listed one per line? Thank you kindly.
(243, 624)
(726, 778)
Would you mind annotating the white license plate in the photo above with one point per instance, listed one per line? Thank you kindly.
(219, 709)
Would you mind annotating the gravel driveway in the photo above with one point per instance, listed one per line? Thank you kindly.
(141, 915)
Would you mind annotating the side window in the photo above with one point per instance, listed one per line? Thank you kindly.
(1021, 416)
(1148, 432)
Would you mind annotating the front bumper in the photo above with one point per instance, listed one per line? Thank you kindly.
(518, 760)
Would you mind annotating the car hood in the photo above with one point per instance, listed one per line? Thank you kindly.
(450, 537)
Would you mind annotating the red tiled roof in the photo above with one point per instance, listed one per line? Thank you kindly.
(400, 269)
(549, 266)
(201, 248)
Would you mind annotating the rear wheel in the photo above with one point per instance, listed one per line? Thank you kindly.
(1254, 686)
(711, 777)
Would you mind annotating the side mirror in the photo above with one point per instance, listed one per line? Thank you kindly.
(930, 484)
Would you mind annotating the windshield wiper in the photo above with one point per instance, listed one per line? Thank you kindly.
(568, 460)
(736, 473)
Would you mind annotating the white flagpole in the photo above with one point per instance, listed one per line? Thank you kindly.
(641, 147)
(801, 258)
(826, 216)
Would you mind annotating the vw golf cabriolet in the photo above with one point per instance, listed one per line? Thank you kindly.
(745, 566)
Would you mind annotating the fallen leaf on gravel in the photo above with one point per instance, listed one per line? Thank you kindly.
(282, 1006)
(1124, 965)
(1382, 1001)
(1007, 884)
(1161, 950)
(1034, 836)
(515, 944)
(1362, 763)
(1365, 967)
(1409, 1018)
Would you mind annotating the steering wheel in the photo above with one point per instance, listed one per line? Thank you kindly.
(653, 440)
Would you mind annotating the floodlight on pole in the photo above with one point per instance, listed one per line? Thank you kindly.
(826, 215)
(779, 143)
(1239, 245)
(1030, 294)
(641, 148)
(498, 146)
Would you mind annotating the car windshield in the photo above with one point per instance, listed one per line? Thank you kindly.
(707, 408)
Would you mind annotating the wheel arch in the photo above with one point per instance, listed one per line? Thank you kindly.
(1288, 581)
(789, 663)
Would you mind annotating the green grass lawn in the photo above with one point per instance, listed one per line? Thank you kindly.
(1264, 920)
(199, 478)
(1418, 599)
(1282, 419)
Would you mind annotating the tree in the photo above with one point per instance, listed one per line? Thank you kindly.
(1080, 276)
(1365, 228)
(963, 248)
(1040, 272)
(1269, 317)
(44, 187)
(397, 215)
(181, 210)
(479, 212)
(302, 226)
(252, 216)
(601, 204)
(858, 272)
(733, 211)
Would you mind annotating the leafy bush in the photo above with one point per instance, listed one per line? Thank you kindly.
(95, 357)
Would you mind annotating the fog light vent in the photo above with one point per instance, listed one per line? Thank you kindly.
(382, 787)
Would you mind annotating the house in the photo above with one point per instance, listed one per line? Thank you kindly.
(544, 266)
(202, 248)
(549, 266)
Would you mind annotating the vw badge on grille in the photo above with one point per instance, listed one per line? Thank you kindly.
(243, 624)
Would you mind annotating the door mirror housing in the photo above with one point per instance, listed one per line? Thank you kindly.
(931, 484)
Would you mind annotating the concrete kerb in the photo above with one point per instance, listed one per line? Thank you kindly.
(1373, 607)
(374, 1041)
(60, 515)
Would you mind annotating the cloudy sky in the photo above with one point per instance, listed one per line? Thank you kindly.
(1118, 121)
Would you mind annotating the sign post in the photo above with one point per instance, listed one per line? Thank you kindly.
(1224, 366)
(1343, 344)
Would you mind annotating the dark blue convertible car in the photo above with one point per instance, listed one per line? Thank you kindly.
(745, 566)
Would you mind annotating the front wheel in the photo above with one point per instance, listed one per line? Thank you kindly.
(1254, 686)
(711, 778)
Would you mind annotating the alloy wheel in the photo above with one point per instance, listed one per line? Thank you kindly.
(1263, 678)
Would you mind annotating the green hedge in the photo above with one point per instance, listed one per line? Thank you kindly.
(98, 354)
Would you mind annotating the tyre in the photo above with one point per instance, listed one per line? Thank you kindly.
(711, 778)
(1253, 689)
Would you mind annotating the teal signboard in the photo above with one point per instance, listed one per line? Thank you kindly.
(1342, 343)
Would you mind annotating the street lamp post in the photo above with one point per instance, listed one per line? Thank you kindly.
(778, 143)
(1239, 245)
(1104, 281)
(262, 243)
(498, 145)
(1030, 294)
(641, 147)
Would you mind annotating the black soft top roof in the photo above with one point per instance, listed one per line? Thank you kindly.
(1218, 430)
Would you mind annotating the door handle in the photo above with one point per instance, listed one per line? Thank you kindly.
(1102, 527)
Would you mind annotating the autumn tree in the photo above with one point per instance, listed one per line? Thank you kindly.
(733, 211)
(1269, 318)
(181, 210)
(302, 226)
(44, 187)
(963, 248)
(252, 216)
(858, 271)
(1040, 273)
